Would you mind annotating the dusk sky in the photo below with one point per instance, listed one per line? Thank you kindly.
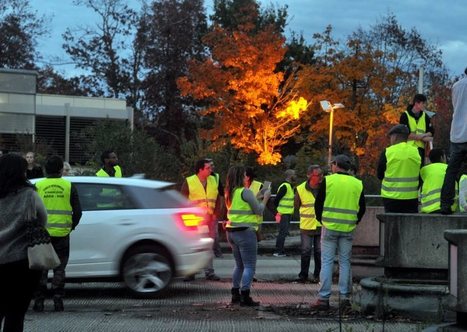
(439, 22)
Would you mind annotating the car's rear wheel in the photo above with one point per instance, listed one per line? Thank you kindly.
(147, 271)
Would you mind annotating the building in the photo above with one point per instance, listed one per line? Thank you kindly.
(55, 120)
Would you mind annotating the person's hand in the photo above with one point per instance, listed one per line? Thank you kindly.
(278, 217)
(427, 138)
(266, 195)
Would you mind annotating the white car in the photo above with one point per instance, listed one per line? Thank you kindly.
(142, 231)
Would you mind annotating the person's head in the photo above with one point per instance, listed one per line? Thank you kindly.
(54, 166)
(12, 173)
(203, 168)
(29, 156)
(341, 163)
(211, 162)
(235, 179)
(315, 175)
(109, 158)
(437, 156)
(250, 175)
(398, 133)
(289, 175)
(418, 103)
(66, 168)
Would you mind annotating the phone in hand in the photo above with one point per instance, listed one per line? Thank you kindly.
(266, 185)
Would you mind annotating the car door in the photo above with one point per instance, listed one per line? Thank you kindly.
(106, 223)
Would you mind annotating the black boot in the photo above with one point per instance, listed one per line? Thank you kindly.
(38, 305)
(235, 295)
(246, 300)
(58, 304)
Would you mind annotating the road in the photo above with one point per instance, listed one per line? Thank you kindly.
(203, 305)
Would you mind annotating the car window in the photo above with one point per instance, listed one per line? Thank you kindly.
(94, 197)
(150, 198)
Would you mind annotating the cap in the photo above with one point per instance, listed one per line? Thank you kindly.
(342, 161)
(399, 129)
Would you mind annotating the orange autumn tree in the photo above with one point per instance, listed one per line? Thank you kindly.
(254, 106)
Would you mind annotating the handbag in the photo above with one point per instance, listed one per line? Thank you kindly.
(41, 253)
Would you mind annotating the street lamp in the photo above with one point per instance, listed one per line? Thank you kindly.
(329, 108)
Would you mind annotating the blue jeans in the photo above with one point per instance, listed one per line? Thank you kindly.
(283, 231)
(457, 156)
(330, 240)
(310, 242)
(244, 247)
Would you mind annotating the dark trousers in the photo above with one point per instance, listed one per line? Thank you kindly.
(310, 242)
(457, 156)
(283, 232)
(62, 248)
(17, 285)
(400, 205)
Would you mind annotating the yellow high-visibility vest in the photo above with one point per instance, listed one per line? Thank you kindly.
(56, 193)
(285, 205)
(430, 193)
(401, 177)
(118, 172)
(417, 127)
(308, 219)
(240, 213)
(341, 204)
(204, 198)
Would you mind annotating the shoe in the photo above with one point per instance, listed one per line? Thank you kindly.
(189, 278)
(301, 280)
(278, 254)
(246, 300)
(235, 295)
(320, 304)
(38, 305)
(219, 255)
(213, 277)
(58, 304)
(314, 280)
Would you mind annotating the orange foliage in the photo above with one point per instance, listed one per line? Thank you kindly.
(252, 104)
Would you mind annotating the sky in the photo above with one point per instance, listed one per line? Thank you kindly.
(439, 22)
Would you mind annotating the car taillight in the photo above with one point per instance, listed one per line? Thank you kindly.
(190, 221)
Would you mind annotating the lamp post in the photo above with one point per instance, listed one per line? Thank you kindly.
(329, 108)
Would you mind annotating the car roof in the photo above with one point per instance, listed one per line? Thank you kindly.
(155, 184)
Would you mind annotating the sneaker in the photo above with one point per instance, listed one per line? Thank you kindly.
(278, 254)
(301, 280)
(314, 280)
(213, 277)
(38, 306)
(58, 304)
(320, 304)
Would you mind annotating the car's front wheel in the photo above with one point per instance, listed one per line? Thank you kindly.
(147, 271)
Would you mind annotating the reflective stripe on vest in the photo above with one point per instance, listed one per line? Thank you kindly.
(240, 213)
(402, 172)
(417, 127)
(118, 172)
(55, 193)
(341, 204)
(285, 205)
(204, 198)
(307, 208)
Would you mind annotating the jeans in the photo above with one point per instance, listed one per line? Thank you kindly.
(283, 231)
(310, 241)
(62, 248)
(330, 240)
(244, 247)
(457, 156)
(17, 284)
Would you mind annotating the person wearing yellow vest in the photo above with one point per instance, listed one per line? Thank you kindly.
(339, 207)
(63, 214)
(463, 191)
(419, 124)
(254, 186)
(284, 203)
(202, 189)
(110, 166)
(310, 228)
(243, 209)
(399, 169)
(432, 176)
